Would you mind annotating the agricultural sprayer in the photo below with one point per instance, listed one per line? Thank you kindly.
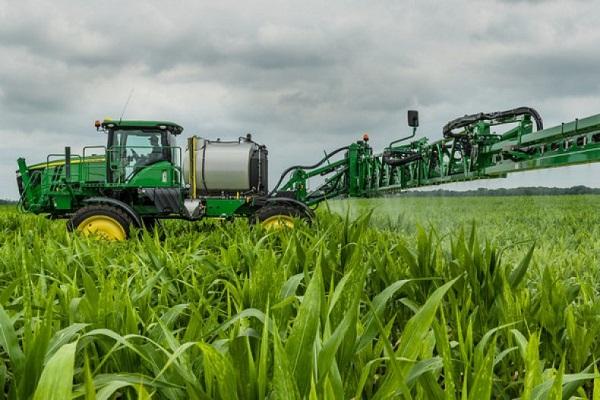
(142, 176)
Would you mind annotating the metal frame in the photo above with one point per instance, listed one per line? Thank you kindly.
(473, 153)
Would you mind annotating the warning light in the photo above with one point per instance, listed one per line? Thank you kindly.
(366, 137)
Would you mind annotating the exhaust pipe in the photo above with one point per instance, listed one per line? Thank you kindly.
(68, 163)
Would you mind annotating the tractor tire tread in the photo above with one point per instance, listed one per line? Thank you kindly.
(100, 209)
(279, 209)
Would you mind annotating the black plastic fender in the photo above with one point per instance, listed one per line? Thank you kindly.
(310, 214)
(117, 203)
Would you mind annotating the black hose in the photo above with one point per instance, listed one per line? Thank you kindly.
(330, 186)
(22, 195)
(470, 119)
(204, 166)
(327, 157)
(405, 158)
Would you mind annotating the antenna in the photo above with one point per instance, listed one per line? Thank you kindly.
(126, 104)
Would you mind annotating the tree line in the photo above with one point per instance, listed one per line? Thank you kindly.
(519, 191)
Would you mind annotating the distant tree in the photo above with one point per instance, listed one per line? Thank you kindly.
(520, 191)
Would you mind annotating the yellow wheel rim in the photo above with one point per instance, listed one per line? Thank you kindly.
(278, 222)
(102, 226)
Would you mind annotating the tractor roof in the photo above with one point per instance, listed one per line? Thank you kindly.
(176, 129)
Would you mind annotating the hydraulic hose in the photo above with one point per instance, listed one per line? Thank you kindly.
(404, 158)
(330, 188)
(287, 171)
(470, 119)
(20, 203)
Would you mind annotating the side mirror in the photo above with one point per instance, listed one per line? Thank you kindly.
(413, 118)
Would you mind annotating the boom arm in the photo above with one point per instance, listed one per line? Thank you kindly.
(469, 150)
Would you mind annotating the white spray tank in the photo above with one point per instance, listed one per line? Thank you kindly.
(228, 167)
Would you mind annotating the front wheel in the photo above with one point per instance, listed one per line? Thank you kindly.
(278, 216)
(101, 220)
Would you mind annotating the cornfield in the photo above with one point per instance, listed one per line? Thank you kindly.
(418, 298)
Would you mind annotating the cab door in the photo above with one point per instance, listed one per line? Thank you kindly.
(132, 151)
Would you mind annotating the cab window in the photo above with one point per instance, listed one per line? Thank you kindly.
(131, 150)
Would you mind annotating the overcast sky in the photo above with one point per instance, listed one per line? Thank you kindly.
(301, 76)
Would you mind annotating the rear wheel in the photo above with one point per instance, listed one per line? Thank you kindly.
(279, 216)
(104, 221)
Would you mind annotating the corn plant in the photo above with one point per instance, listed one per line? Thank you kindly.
(391, 298)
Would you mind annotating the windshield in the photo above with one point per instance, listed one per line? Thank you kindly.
(132, 150)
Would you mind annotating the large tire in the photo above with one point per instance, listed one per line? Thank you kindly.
(277, 216)
(102, 220)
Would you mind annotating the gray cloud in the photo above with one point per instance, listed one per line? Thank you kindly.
(300, 76)
(550, 73)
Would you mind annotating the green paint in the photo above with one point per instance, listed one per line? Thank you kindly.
(221, 208)
(161, 174)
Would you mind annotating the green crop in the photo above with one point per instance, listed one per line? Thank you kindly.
(424, 298)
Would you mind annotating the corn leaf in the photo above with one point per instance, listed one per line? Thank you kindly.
(56, 381)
